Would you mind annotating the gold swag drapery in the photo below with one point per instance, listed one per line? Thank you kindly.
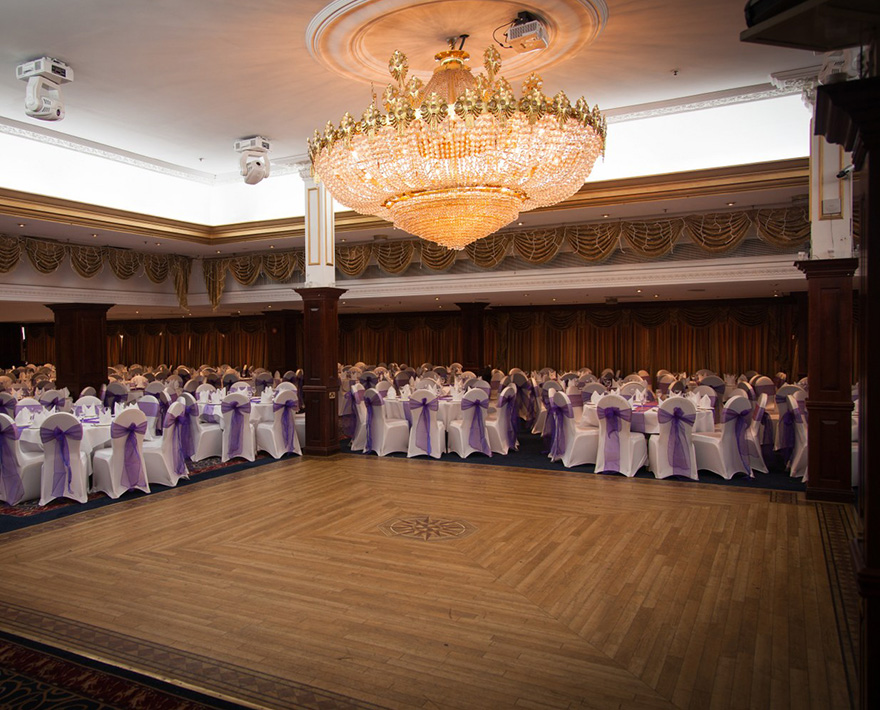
(88, 261)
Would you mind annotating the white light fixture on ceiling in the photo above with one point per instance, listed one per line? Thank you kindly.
(44, 78)
(457, 159)
(254, 160)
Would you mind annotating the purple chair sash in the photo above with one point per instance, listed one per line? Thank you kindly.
(576, 399)
(786, 435)
(613, 416)
(288, 431)
(10, 473)
(62, 473)
(54, 403)
(132, 468)
(477, 436)
(29, 407)
(183, 448)
(371, 402)
(511, 418)
(679, 453)
(742, 424)
(423, 430)
(556, 416)
(236, 426)
(8, 408)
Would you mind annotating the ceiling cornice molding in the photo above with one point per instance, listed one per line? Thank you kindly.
(126, 297)
(713, 181)
(80, 145)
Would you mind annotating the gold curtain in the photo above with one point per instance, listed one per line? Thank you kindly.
(717, 233)
(87, 261)
(680, 338)
(783, 228)
(593, 242)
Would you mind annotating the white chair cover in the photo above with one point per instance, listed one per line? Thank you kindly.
(427, 435)
(149, 405)
(121, 468)
(620, 449)
(571, 444)
(238, 432)
(503, 426)
(359, 435)
(727, 452)
(166, 457)
(207, 437)
(382, 435)
(799, 452)
(279, 436)
(469, 434)
(671, 452)
(65, 471)
(19, 472)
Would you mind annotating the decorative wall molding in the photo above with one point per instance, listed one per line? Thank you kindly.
(41, 294)
(713, 181)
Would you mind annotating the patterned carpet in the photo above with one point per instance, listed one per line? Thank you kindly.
(35, 676)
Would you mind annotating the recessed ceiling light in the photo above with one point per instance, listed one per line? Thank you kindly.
(436, 298)
(525, 295)
(270, 306)
(520, 224)
(94, 235)
(656, 295)
(606, 216)
(137, 313)
(554, 299)
(731, 204)
(158, 244)
(218, 251)
(271, 246)
(21, 225)
(342, 240)
(638, 290)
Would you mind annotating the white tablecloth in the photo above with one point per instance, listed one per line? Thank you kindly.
(95, 436)
(705, 421)
(448, 411)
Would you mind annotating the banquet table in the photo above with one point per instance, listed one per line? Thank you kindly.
(260, 411)
(95, 436)
(645, 419)
(448, 411)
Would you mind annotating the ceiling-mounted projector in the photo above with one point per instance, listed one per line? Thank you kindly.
(527, 34)
(44, 77)
(254, 159)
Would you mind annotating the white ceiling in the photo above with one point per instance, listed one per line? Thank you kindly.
(180, 81)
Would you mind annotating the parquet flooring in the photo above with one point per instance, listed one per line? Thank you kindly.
(286, 586)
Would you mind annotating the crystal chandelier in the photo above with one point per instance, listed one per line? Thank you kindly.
(457, 159)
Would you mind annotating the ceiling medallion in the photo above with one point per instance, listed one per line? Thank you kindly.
(459, 158)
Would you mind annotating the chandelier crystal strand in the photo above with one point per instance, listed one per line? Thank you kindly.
(460, 158)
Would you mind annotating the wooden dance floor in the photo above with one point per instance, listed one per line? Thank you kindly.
(361, 582)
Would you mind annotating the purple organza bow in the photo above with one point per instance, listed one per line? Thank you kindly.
(423, 428)
(613, 416)
(236, 426)
(742, 424)
(57, 403)
(163, 412)
(12, 489)
(556, 416)
(288, 431)
(8, 408)
(132, 468)
(62, 472)
(183, 448)
(369, 403)
(679, 453)
(786, 421)
(510, 417)
(477, 436)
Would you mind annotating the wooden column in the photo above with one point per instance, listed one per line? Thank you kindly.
(10, 345)
(829, 368)
(320, 358)
(80, 345)
(473, 337)
(283, 340)
(848, 113)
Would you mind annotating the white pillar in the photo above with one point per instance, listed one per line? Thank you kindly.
(320, 253)
(830, 201)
